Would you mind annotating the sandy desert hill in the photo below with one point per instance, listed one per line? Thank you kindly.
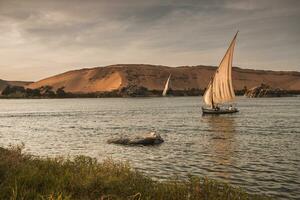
(153, 77)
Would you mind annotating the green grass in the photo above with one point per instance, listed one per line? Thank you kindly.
(24, 176)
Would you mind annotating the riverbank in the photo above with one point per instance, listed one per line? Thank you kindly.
(24, 176)
(18, 92)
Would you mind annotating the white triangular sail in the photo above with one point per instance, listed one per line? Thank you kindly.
(166, 87)
(220, 89)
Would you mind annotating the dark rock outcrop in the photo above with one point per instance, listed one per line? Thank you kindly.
(149, 139)
(266, 91)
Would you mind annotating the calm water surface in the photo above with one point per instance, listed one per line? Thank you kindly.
(258, 148)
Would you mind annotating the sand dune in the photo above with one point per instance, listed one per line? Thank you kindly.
(83, 81)
(154, 77)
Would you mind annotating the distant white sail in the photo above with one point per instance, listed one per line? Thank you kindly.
(220, 89)
(166, 87)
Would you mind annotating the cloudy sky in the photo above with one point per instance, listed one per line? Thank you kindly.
(40, 38)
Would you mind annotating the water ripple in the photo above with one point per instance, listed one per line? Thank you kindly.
(258, 148)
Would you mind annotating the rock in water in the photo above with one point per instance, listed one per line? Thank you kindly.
(149, 139)
(266, 91)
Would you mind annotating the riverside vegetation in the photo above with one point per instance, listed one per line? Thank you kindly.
(23, 176)
(129, 91)
(133, 91)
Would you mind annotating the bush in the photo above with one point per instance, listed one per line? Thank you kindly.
(6, 90)
(60, 92)
(24, 176)
(134, 91)
(12, 90)
(32, 92)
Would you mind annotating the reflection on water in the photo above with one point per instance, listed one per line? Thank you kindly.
(257, 148)
(222, 141)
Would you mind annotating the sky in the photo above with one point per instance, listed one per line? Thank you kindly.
(40, 38)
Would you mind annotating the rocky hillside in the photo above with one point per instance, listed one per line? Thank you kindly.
(266, 91)
(153, 77)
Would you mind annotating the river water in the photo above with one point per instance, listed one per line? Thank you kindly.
(257, 148)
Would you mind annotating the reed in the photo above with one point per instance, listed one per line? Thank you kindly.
(24, 176)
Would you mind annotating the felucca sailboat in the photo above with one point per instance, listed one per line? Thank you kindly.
(220, 89)
(166, 87)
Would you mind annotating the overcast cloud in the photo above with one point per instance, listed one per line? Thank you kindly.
(40, 38)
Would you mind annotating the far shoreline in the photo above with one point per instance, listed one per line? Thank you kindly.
(97, 96)
(133, 91)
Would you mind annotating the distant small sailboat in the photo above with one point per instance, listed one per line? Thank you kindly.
(220, 89)
(166, 87)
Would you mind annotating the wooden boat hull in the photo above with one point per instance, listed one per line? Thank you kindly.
(219, 111)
